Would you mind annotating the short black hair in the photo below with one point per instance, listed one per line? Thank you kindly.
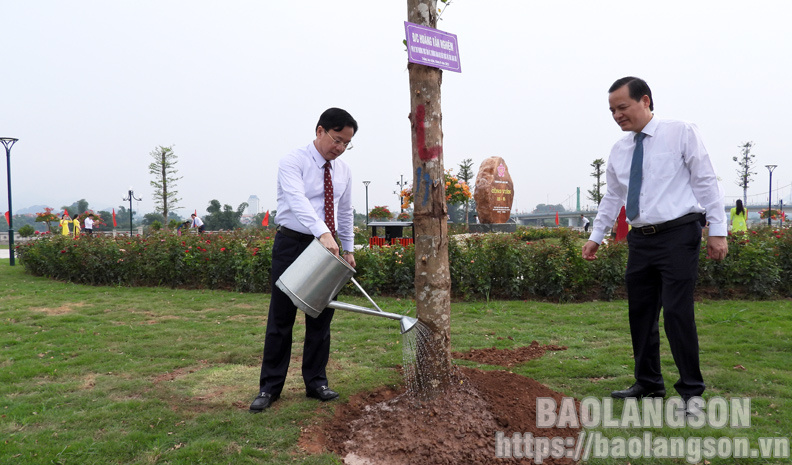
(637, 87)
(337, 119)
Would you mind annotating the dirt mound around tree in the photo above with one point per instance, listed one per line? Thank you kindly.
(506, 357)
(459, 426)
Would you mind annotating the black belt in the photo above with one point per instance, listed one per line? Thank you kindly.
(294, 234)
(656, 228)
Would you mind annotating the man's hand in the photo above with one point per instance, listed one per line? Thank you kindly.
(327, 240)
(717, 247)
(350, 258)
(590, 250)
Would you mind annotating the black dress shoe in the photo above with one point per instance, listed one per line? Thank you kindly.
(638, 391)
(264, 400)
(322, 393)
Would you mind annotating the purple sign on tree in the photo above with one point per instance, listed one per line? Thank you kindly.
(432, 47)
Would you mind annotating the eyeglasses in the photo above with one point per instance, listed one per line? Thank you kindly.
(347, 145)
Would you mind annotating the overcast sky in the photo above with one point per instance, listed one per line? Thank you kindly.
(90, 88)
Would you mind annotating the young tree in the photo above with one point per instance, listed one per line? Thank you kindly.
(47, 217)
(465, 173)
(745, 172)
(432, 276)
(595, 194)
(164, 170)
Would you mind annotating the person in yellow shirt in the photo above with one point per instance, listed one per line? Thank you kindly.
(738, 217)
(76, 226)
(64, 224)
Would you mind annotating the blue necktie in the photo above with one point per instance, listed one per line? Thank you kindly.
(636, 174)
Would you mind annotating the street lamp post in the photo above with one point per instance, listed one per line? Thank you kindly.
(770, 168)
(8, 142)
(366, 183)
(130, 198)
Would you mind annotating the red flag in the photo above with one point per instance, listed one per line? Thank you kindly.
(65, 212)
(8, 217)
(265, 221)
(196, 212)
(114, 221)
(556, 218)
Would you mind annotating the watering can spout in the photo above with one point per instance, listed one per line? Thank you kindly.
(407, 323)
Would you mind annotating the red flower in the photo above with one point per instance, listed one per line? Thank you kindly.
(222, 249)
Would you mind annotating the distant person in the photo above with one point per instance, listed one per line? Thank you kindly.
(585, 222)
(64, 224)
(89, 224)
(197, 223)
(76, 228)
(314, 201)
(738, 216)
(665, 175)
(186, 224)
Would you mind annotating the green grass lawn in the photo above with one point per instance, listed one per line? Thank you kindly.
(98, 375)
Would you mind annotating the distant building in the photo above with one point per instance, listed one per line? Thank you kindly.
(253, 205)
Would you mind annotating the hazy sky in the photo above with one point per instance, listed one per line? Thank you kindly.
(90, 88)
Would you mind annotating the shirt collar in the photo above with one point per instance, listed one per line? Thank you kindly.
(317, 157)
(651, 127)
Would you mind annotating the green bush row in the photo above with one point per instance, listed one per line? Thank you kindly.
(536, 264)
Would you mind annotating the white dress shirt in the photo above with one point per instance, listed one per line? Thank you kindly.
(88, 222)
(301, 195)
(678, 178)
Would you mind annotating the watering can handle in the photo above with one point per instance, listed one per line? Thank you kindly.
(366, 294)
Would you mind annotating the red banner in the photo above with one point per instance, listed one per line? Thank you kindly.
(556, 218)
(114, 221)
(8, 218)
(265, 221)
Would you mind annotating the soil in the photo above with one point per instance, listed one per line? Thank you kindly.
(391, 427)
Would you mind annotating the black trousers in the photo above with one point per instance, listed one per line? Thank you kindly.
(662, 270)
(278, 339)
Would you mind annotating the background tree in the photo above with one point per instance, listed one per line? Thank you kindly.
(745, 172)
(432, 276)
(595, 194)
(164, 170)
(465, 173)
(225, 217)
(47, 217)
(77, 208)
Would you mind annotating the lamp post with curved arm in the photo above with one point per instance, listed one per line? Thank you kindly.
(130, 198)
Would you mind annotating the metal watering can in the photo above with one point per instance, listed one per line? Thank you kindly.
(317, 275)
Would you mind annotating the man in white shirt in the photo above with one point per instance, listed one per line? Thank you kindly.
(669, 195)
(197, 223)
(89, 224)
(314, 196)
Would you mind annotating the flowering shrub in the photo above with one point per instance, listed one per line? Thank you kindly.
(380, 213)
(456, 191)
(529, 264)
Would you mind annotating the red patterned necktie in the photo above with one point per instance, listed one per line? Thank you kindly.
(328, 205)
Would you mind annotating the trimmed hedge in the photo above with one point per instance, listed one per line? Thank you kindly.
(537, 264)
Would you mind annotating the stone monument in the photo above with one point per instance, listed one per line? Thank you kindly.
(494, 196)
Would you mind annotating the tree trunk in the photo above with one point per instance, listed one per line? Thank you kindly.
(432, 274)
